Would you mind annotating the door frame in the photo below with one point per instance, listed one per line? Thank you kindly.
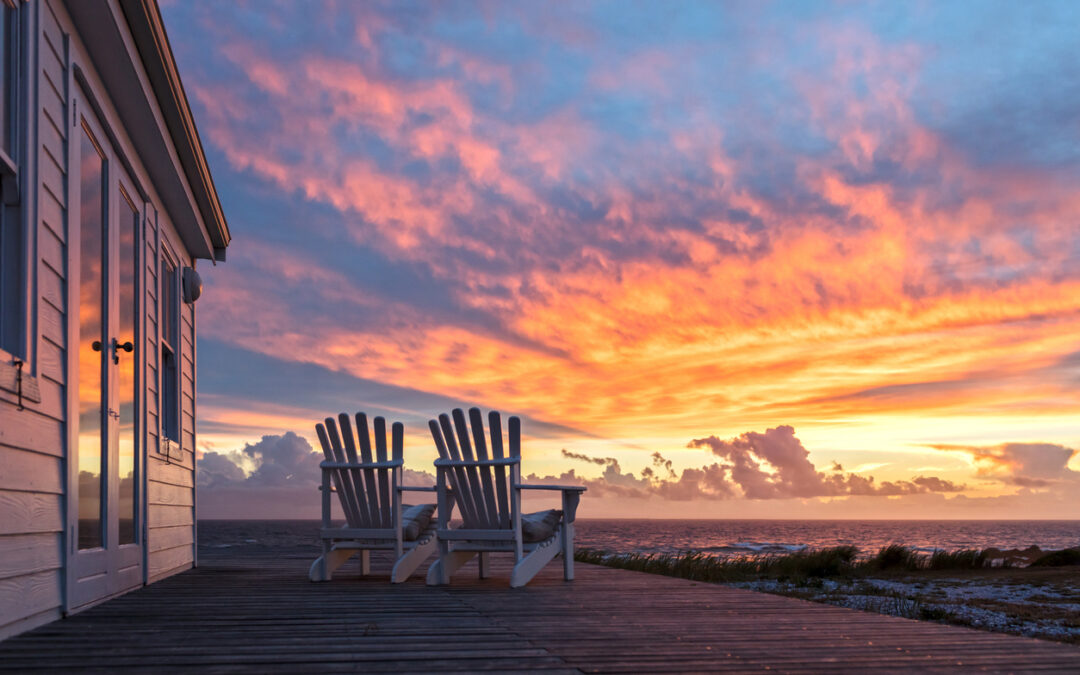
(113, 569)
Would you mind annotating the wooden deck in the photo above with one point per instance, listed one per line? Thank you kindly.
(256, 611)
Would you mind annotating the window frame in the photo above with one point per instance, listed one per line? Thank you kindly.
(168, 258)
(18, 312)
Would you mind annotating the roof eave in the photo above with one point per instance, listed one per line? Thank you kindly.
(148, 30)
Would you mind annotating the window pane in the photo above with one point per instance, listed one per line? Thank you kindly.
(129, 223)
(91, 330)
(170, 318)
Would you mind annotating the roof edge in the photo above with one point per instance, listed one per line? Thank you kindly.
(148, 30)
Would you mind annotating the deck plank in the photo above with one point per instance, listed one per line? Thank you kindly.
(252, 610)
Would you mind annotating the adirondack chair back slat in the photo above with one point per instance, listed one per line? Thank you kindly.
(444, 453)
(328, 452)
(384, 475)
(474, 473)
(463, 491)
(371, 490)
(345, 487)
(352, 476)
(365, 494)
(482, 493)
(485, 471)
(495, 427)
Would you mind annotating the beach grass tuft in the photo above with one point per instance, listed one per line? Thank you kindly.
(895, 557)
(965, 559)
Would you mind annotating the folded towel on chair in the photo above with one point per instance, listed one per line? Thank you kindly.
(415, 519)
(540, 525)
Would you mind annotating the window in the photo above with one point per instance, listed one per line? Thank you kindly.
(13, 268)
(170, 351)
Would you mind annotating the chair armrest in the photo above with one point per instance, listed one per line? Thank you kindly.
(564, 488)
(389, 464)
(410, 488)
(571, 495)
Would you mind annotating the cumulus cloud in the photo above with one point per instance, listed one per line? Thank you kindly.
(1032, 465)
(276, 460)
(276, 477)
(770, 465)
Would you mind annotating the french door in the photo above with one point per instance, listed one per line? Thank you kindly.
(105, 505)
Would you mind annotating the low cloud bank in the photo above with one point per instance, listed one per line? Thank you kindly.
(770, 465)
(278, 475)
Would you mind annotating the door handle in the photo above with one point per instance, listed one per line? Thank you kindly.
(117, 347)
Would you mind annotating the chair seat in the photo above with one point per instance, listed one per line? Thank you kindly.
(415, 520)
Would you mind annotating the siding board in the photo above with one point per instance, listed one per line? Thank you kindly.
(51, 212)
(171, 474)
(163, 515)
(51, 360)
(30, 553)
(51, 286)
(26, 471)
(30, 594)
(27, 512)
(52, 176)
(51, 323)
(30, 430)
(164, 538)
(166, 562)
(51, 139)
(52, 250)
(52, 104)
(173, 495)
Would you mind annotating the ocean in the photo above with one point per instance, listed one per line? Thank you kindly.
(717, 537)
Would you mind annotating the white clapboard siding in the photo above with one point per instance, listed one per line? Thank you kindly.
(32, 442)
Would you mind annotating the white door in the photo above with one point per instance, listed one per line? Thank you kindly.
(105, 497)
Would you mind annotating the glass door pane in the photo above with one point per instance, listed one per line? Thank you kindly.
(128, 231)
(93, 348)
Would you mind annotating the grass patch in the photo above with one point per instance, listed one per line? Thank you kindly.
(837, 561)
(826, 562)
(895, 557)
(966, 559)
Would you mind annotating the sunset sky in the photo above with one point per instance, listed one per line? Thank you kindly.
(727, 260)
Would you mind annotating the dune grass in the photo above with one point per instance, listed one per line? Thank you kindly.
(837, 561)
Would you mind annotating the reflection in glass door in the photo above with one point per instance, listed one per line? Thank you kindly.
(92, 341)
(127, 230)
(108, 545)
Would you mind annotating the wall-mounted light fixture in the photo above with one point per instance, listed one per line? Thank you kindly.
(192, 284)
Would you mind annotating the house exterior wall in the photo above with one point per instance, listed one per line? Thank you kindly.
(33, 478)
(36, 484)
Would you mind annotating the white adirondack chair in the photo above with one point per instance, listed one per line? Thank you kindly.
(487, 491)
(370, 488)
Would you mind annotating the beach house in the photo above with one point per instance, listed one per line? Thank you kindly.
(107, 208)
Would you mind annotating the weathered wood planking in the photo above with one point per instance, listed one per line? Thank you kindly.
(252, 609)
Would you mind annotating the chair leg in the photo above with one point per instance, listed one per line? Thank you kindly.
(528, 566)
(323, 568)
(568, 551)
(408, 563)
(440, 570)
(485, 565)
